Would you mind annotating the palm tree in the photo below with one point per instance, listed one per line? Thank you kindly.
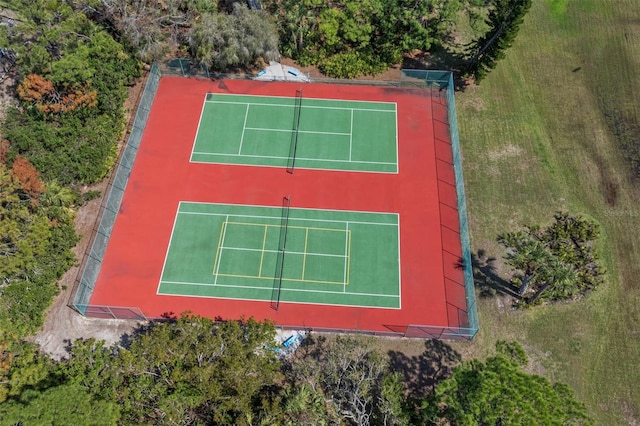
(60, 199)
(304, 406)
(526, 254)
(560, 280)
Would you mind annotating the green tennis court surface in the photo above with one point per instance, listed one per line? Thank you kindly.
(331, 134)
(331, 257)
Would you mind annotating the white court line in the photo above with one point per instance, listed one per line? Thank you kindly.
(292, 208)
(288, 301)
(351, 135)
(299, 158)
(244, 126)
(287, 252)
(394, 110)
(298, 166)
(166, 255)
(195, 139)
(278, 219)
(295, 97)
(399, 268)
(304, 106)
(346, 251)
(293, 290)
(304, 256)
(300, 290)
(397, 157)
(262, 129)
(221, 248)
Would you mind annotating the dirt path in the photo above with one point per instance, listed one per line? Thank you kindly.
(62, 324)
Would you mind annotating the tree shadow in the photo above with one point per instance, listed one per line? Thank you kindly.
(312, 346)
(486, 278)
(441, 57)
(422, 373)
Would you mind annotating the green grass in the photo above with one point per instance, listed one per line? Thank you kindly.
(331, 134)
(538, 136)
(232, 251)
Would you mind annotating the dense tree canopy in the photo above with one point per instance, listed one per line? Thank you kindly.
(59, 405)
(498, 392)
(239, 39)
(73, 79)
(220, 35)
(352, 378)
(347, 38)
(190, 370)
(36, 236)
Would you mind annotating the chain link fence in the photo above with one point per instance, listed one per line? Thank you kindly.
(461, 297)
(462, 311)
(109, 210)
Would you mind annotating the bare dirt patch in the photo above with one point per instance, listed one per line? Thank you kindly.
(630, 413)
(508, 151)
(62, 324)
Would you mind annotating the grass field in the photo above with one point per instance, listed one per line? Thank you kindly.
(537, 138)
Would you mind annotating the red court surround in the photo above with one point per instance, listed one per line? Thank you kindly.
(422, 193)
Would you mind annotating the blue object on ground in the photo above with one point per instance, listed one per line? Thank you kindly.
(289, 341)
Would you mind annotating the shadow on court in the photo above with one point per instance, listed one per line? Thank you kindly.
(422, 373)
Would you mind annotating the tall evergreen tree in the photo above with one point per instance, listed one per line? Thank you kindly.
(498, 391)
(504, 20)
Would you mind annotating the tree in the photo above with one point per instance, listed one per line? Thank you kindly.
(25, 369)
(4, 150)
(498, 392)
(190, 370)
(353, 379)
(60, 405)
(557, 262)
(346, 38)
(35, 248)
(73, 85)
(27, 176)
(504, 20)
(303, 405)
(220, 41)
(149, 28)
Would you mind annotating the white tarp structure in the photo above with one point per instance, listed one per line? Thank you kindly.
(278, 72)
(287, 341)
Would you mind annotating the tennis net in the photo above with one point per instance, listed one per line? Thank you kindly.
(282, 245)
(294, 134)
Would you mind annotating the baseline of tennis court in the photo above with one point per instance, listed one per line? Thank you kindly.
(328, 134)
(332, 257)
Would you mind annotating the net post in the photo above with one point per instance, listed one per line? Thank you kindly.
(294, 134)
(282, 245)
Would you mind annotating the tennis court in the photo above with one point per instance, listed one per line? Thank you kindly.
(197, 223)
(239, 252)
(315, 133)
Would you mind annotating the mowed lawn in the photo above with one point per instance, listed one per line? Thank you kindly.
(537, 137)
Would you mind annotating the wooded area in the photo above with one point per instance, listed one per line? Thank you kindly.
(191, 370)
